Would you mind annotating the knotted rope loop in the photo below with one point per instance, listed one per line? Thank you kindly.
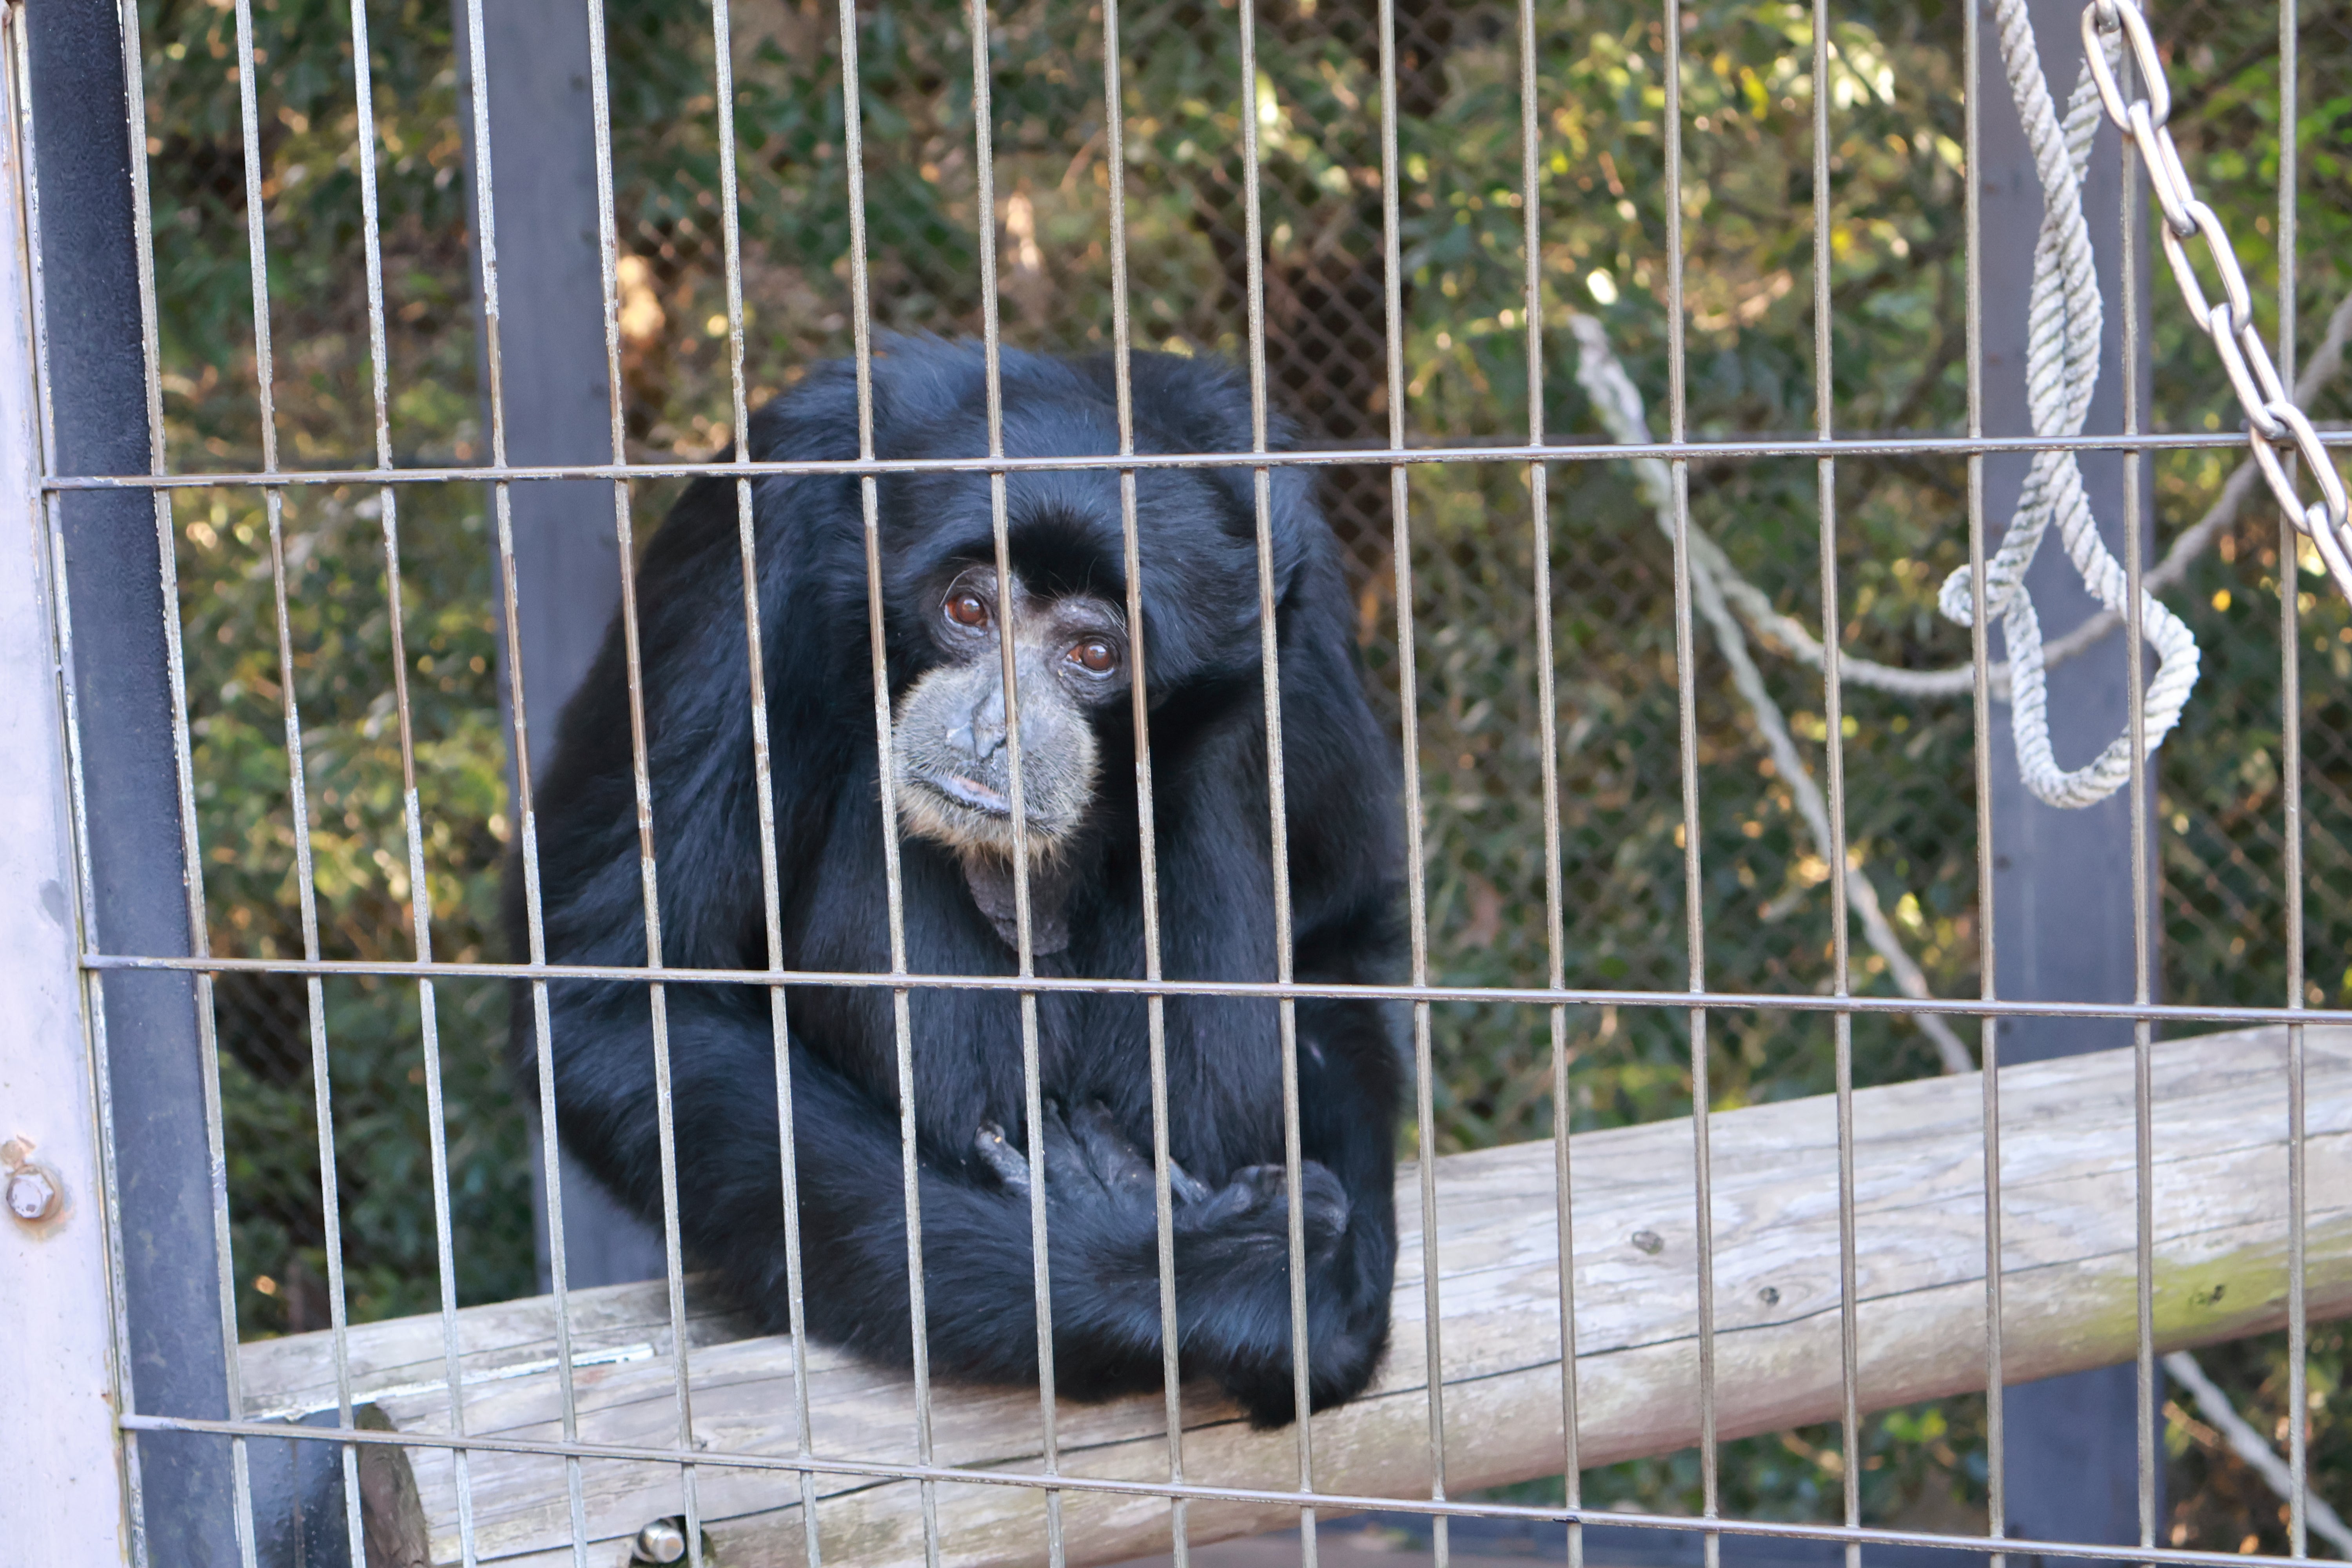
(2065, 319)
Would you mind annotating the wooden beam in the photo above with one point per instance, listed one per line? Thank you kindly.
(2068, 1203)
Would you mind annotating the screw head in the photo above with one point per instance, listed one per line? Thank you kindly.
(661, 1541)
(1648, 1241)
(32, 1194)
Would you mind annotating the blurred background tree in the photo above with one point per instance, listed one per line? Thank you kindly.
(1899, 365)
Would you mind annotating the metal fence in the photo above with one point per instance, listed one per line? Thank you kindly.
(1538, 931)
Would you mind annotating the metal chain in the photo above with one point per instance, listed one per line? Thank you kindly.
(2270, 414)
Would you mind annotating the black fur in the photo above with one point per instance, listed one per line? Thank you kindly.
(1202, 645)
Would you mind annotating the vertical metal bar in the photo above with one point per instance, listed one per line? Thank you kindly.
(239, 1527)
(2063, 890)
(771, 890)
(664, 1118)
(1278, 825)
(64, 1491)
(150, 319)
(649, 869)
(298, 788)
(2142, 979)
(420, 903)
(1031, 1081)
(1407, 704)
(485, 229)
(1547, 731)
(1981, 658)
(544, 1061)
(1146, 824)
(1687, 702)
(861, 320)
(2299, 1325)
(322, 1103)
(1833, 711)
(121, 1356)
(535, 74)
(150, 325)
(139, 862)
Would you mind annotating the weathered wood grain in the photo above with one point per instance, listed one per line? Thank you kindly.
(2067, 1197)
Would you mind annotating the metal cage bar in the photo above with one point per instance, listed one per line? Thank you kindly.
(2145, 1454)
(1687, 714)
(1981, 660)
(2298, 1328)
(1834, 766)
(902, 1026)
(1024, 933)
(1558, 450)
(1296, 990)
(1334, 1500)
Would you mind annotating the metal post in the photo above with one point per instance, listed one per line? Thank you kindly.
(174, 1358)
(63, 1495)
(2062, 879)
(558, 410)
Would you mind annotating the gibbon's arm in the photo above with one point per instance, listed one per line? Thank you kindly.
(1232, 1244)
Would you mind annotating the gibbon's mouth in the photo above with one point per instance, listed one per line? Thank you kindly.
(972, 793)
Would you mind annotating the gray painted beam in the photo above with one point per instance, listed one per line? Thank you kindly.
(61, 1495)
(114, 585)
(551, 339)
(2062, 879)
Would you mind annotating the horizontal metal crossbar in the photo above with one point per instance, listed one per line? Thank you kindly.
(1333, 1502)
(1385, 456)
(1272, 990)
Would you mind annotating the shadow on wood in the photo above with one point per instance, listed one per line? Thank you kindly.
(2068, 1204)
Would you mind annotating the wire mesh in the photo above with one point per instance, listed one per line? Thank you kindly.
(766, 199)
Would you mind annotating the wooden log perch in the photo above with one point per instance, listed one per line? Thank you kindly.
(2068, 1232)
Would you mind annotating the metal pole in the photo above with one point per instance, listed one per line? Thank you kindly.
(174, 1354)
(2062, 879)
(535, 70)
(62, 1497)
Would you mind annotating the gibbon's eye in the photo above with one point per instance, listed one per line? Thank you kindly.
(1095, 655)
(966, 608)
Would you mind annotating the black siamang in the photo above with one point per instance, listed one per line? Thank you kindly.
(944, 610)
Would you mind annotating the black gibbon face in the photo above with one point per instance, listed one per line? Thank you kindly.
(953, 769)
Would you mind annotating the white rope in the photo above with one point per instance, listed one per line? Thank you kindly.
(1795, 638)
(2062, 367)
(1619, 403)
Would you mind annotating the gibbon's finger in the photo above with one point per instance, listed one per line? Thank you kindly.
(999, 1155)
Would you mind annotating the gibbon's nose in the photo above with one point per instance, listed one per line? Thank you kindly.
(980, 734)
